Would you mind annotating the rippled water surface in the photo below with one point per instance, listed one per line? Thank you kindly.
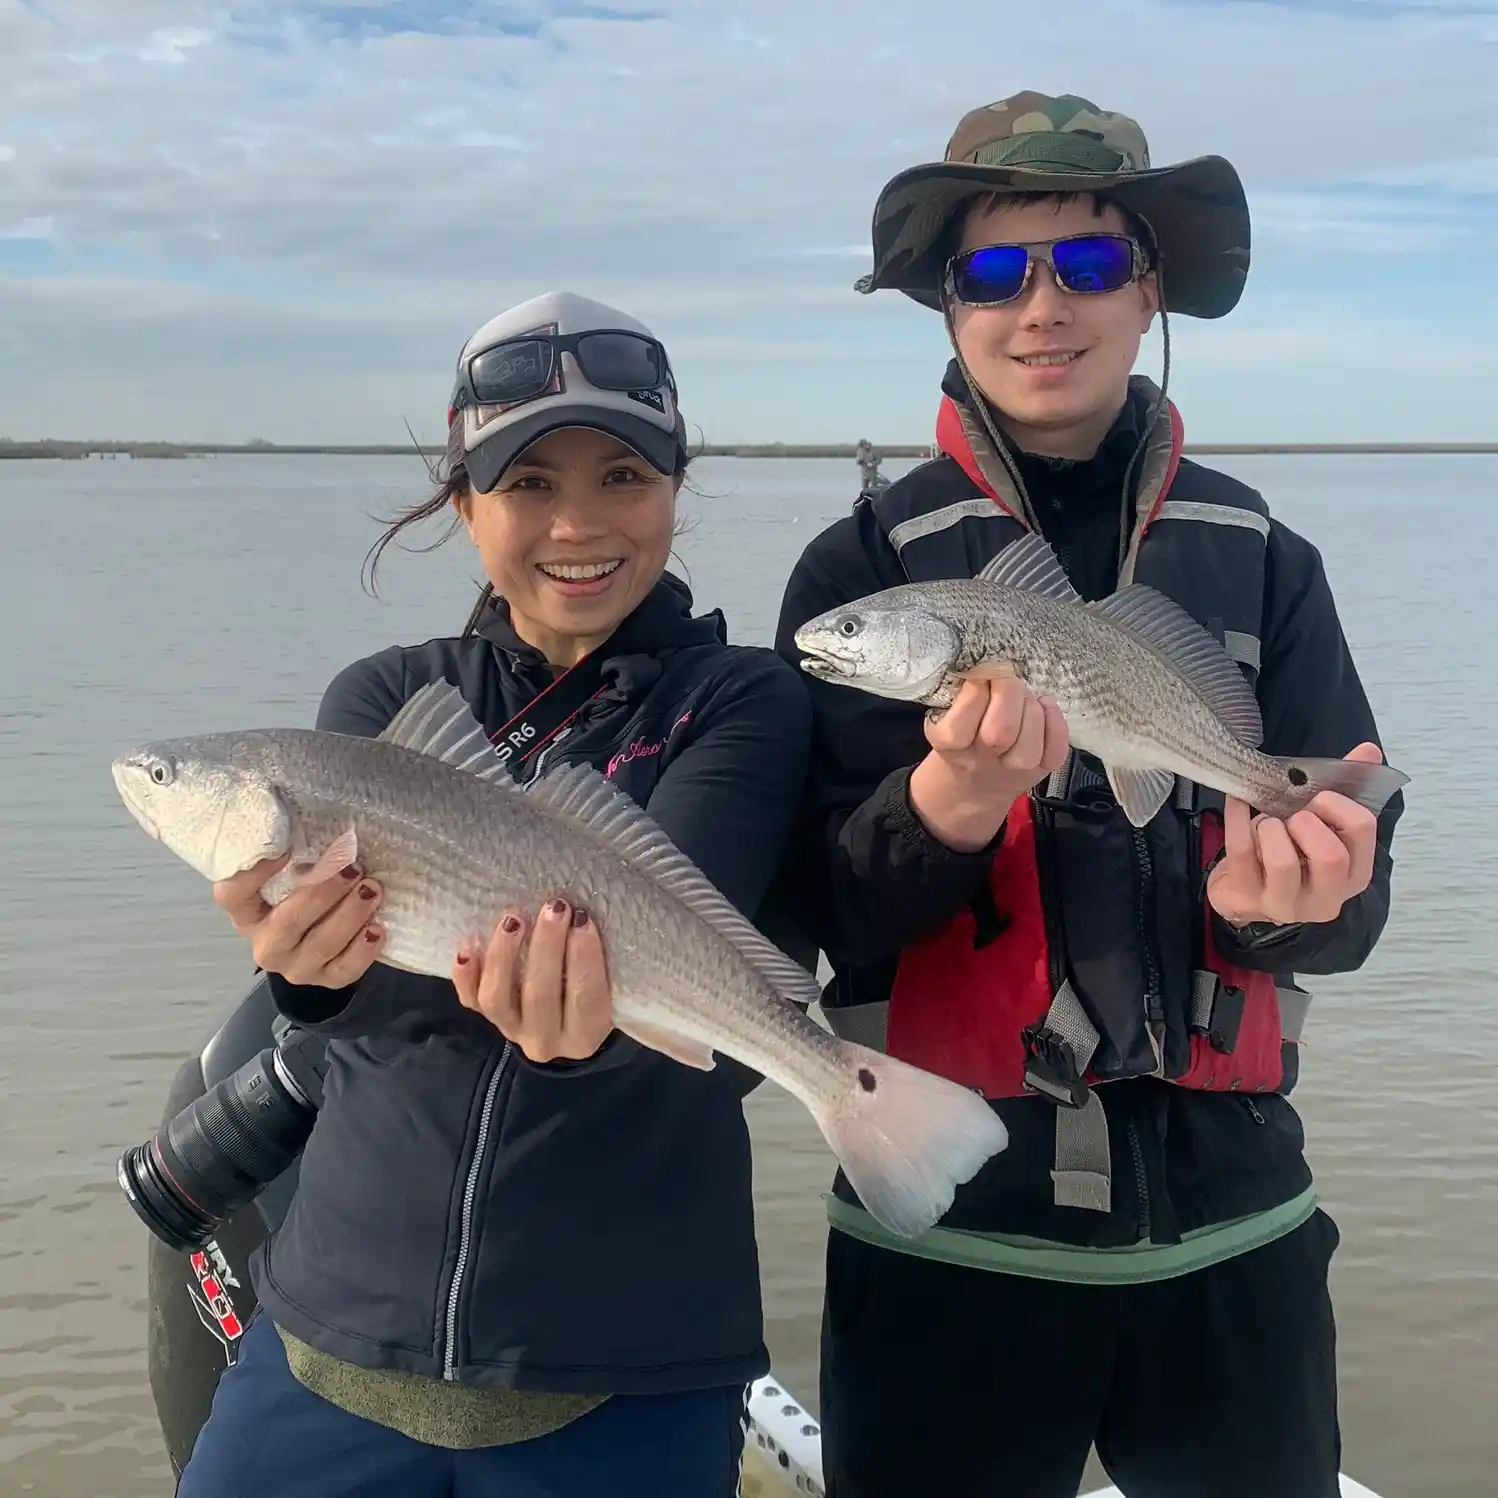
(146, 599)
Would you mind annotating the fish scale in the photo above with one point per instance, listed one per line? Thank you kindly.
(1142, 686)
(455, 843)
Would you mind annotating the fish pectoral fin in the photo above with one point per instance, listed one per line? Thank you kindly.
(1030, 565)
(337, 856)
(1141, 793)
(304, 870)
(678, 1047)
(439, 723)
(989, 671)
(1163, 625)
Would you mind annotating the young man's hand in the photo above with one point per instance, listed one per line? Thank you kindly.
(995, 741)
(1299, 871)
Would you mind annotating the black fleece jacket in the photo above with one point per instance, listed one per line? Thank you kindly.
(462, 1213)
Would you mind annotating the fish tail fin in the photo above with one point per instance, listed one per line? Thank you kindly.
(906, 1138)
(1370, 785)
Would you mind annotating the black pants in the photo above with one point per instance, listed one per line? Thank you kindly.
(970, 1384)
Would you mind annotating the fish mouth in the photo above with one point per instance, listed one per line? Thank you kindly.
(828, 667)
(127, 779)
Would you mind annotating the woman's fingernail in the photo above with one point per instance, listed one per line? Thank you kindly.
(510, 924)
(367, 892)
(579, 917)
(372, 934)
(558, 908)
(464, 958)
(351, 873)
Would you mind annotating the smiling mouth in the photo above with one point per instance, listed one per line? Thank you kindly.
(1048, 361)
(579, 572)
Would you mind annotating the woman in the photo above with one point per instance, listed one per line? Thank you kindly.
(521, 1257)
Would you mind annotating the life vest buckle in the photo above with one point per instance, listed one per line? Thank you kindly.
(1051, 1066)
(1217, 1012)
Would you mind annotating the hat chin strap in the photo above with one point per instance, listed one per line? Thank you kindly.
(1001, 448)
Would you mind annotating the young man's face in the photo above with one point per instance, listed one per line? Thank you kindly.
(1065, 409)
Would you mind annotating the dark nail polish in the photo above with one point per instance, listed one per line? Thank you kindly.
(372, 934)
(464, 958)
(579, 917)
(558, 908)
(367, 892)
(511, 924)
(351, 873)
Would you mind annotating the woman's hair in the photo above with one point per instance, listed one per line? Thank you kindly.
(450, 476)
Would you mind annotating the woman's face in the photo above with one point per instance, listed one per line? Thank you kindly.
(575, 533)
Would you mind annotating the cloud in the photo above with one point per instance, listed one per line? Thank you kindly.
(1364, 220)
(30, 228)
(355, 176)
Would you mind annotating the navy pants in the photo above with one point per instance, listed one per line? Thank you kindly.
(268, 1435)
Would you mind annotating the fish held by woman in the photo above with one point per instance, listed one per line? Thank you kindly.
(1141, 684)
(433, 815)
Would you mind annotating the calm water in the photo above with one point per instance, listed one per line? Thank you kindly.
(148, 599)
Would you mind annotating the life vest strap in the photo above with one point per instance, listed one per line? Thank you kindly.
(1084, 1169)
(1058, 1052)
(1295, 1004)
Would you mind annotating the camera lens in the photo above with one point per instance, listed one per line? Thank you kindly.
(218, 1153)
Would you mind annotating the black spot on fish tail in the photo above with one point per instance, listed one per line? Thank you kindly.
(866, 1079)
(1297, 776)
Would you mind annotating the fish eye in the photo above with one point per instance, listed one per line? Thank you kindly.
(162, 772)
(849, 626)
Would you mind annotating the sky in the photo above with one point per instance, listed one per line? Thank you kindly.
(281, 220)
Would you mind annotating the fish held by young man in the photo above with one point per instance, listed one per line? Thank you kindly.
(429, 811)
(1142, 686)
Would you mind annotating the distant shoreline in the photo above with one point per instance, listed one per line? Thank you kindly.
(87, 450)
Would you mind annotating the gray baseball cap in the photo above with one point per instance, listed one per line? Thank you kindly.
(565, 361)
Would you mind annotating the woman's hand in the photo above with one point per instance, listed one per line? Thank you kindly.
(995, 741)
(550, 997)
(1302, 870)
(322, 935)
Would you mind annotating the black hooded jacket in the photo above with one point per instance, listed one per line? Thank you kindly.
(588, 1227)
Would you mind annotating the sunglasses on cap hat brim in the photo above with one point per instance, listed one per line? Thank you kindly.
(525, 366)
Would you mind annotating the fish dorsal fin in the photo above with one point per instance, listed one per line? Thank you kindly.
(1167, 628)
(1030, 565)
(580, 794)
(439, 723)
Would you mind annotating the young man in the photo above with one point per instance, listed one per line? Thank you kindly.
(1145, 1266)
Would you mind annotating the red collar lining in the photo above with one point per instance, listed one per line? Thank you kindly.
(952, 440)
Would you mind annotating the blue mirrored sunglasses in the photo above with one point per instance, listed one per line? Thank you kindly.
(1083, 264)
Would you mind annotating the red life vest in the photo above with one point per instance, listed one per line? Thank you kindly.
(1049, 971)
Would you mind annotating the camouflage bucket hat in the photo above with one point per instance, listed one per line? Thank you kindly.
(1034, 143)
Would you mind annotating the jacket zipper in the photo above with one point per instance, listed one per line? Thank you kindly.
(1153, 1007)
(546, 754)
(476, 1165)
(1141, 1182)
(465, 1231)
(1045, 861)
